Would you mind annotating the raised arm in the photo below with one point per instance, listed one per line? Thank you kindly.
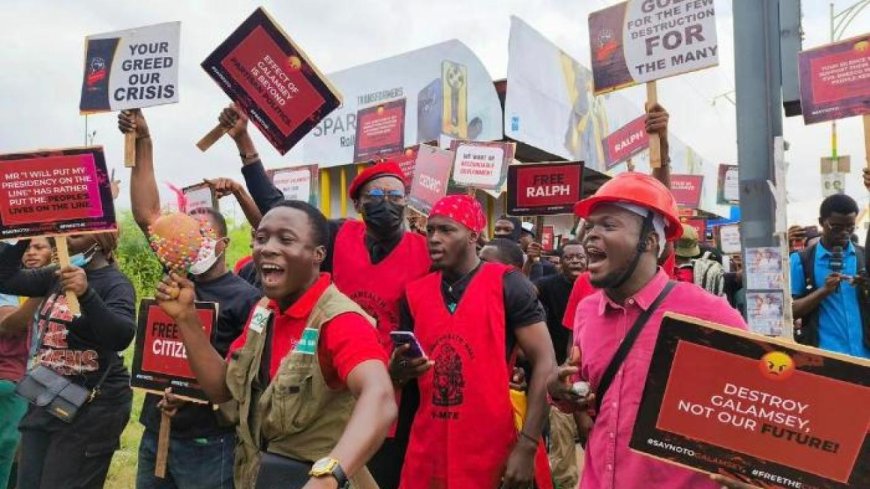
(226, 186)
(264, 194)
(175, 295)
(144, 196)
(657, 123)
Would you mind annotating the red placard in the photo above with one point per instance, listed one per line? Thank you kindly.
(626, 142)
(272, 80)
(699, 224)
(544, 188)
(548, 238)
(763, 410)
(431, 177)
(380, 130)
(55, 192)
(687, 189)
(835, 80)
(160, 359)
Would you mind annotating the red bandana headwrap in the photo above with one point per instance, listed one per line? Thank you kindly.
(464, 209)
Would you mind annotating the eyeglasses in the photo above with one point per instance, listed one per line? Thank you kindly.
(840, 228)
(575, 256)
(376, 195)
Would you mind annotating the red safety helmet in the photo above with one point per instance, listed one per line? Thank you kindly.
(638, 189)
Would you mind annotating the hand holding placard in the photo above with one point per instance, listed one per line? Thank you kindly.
(72, 299)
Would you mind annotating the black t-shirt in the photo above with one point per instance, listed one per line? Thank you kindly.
(249, 274)
(553, 293)
(236, 298)
(542, 269)
(79, 348)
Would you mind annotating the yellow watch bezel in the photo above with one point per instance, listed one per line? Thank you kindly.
(329, 465)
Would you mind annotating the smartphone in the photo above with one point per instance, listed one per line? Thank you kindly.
(407, 338)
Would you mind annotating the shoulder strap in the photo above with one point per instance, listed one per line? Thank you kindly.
(627, 343)
(808, 259)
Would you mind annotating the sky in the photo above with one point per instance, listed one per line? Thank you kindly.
(42, 57)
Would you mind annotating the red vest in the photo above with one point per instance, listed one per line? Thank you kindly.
(377, 288)
(463, 431)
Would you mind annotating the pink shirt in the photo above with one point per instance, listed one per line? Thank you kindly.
(599, 327)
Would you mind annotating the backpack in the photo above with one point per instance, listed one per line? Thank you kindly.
(709, 275)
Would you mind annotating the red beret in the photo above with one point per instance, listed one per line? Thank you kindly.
(385, 169)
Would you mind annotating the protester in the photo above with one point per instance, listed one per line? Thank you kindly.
(829, 284)
(16, 337)
(197, 433)
(553, 292)
(508, 228)
(696, 266)
(469, 317)
(535, 268)
(83, 350)
(657, 119)
(628, 222)
(371, 261)
(501, 250)
(307, 377)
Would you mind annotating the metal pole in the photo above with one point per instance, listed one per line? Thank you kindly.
(759, 120)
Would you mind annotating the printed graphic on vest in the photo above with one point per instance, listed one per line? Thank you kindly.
(308, 342)
(451, 354)
(385, 316)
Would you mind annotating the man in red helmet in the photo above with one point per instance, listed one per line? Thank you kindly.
(371, 260)
(628, 222)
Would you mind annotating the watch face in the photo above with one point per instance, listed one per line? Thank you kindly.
(323, 466)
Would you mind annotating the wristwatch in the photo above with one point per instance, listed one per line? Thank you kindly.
(327, 467)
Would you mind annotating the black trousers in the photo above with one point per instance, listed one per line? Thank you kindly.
(73, 455)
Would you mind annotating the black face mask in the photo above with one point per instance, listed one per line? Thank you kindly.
(383, 217)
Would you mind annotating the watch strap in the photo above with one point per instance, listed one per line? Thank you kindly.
(340, 477)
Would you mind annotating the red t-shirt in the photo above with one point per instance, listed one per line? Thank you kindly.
(345, 341)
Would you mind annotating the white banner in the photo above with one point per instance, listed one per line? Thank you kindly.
(131, 69)
(448, 92)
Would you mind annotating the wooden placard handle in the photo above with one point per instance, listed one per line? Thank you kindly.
(212, 137)
(655, 145)
(72, 301)
(162, 446)
(130, 149)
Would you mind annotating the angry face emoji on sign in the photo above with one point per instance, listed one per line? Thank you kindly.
(776, 365)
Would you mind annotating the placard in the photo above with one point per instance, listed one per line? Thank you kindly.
(544, 189)
(548, 238)
(835, 80)
(626, 142)
(763, 268)
(380, 130)
(834, 172)
(297, 183)
(769, 412)
(431, 178)
(200, 196)
(700, 225)
(55, 192)
(481, 165)
(644, 40)
(272, 81)
(728, 189)
(407, 161)
(160, 358)
(687, 189)
(131, 69)
(764, 312)
(729, 238)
